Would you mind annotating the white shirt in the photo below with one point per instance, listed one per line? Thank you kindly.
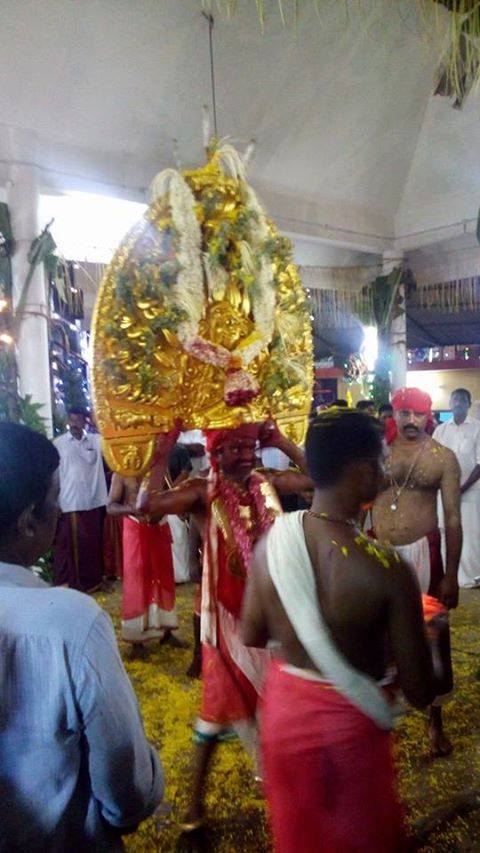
(82, 478)
(274, 458)
(73, 751)
(464, 440)
(195, 436)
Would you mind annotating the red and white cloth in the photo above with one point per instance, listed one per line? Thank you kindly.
(232, 674)
(326, 745)
(148, 603)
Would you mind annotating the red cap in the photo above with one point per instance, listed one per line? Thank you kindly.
(218, 437)
(412, 399)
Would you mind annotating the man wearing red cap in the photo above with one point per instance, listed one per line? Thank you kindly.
(233, 508)
(405, 515)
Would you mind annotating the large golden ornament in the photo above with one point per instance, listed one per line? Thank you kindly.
(146, 373)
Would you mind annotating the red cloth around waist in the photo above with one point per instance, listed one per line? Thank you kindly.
(329, 774)
(148, 576)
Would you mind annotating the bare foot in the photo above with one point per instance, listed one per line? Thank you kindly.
(440, 745)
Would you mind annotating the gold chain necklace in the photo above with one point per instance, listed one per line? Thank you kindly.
(397, 488)
(325, 517)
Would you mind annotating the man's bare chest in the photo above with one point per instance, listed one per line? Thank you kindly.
(413, 472)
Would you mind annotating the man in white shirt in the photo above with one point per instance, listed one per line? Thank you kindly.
(78, 559)
(77, 770)
(462, 435)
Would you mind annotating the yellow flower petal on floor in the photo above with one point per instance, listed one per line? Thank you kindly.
(169, 703)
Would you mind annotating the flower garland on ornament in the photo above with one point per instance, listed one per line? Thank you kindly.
(188, 290)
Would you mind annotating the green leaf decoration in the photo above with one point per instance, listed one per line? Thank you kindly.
(30, 414)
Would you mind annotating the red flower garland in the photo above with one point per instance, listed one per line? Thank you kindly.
(262, 518)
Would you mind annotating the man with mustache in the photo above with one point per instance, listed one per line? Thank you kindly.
(405, 515)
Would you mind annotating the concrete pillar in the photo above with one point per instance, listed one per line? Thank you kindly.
(33, 340)
(398, 331)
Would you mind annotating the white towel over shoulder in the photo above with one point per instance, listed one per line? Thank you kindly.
(292, 575)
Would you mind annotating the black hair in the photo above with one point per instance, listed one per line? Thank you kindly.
(385, 407)
(342, 404)
(77, 410)
(337, 438)
(362, 405)
(464, 393)
(28, 461)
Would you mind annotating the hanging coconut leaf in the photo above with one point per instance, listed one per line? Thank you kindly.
(459, 71)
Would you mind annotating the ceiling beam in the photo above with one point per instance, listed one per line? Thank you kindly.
(423, 330)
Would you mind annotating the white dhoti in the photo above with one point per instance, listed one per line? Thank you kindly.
(417, 555)
(180, 549)
(469, 568)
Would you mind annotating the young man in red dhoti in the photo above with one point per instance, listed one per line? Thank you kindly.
(148, 599)
(338, 607)
(234, 507)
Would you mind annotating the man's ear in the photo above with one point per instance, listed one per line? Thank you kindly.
(360, 469)
(26, 522)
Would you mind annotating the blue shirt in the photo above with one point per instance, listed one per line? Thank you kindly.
(74, 760)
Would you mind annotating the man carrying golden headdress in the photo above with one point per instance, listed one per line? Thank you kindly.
(233, 508)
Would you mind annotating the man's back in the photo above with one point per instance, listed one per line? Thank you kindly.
(72, 750)
(331, 599)
(364, 592)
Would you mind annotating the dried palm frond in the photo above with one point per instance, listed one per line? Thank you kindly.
(288, 10)
(460, 65)
(339, 309)
(457, 21)
(449, 296)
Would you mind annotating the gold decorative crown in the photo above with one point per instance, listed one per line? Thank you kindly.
(201, 316)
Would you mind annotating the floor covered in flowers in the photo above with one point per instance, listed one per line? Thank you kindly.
(442, 796)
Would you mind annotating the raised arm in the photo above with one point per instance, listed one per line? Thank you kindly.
(408, 641)
(155, 500)
(270, 436)
(188, 497)
(286, 482)
(290, 482)
(154, 483)
(450, 491)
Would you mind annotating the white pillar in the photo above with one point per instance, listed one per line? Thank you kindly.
(33, 341)
(398, 331)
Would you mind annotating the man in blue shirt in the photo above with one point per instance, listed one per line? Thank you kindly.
(76, 770)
